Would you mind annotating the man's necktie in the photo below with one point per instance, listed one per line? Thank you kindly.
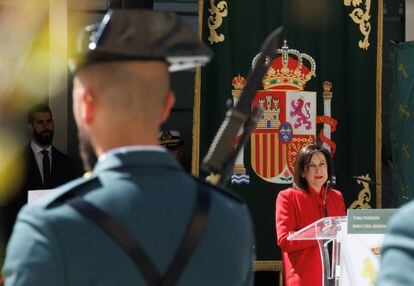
(46, 167)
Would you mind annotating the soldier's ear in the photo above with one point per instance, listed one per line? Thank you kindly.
(88, 108)
(167, 106)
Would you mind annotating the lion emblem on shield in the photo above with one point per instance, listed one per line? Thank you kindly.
(299, 109)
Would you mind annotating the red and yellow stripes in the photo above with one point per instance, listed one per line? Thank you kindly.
(268, 156)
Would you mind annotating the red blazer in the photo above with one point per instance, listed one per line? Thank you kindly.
(296, 209)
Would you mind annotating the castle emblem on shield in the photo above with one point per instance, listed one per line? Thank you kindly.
(288, 120)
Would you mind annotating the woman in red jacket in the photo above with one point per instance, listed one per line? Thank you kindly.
(302, 205)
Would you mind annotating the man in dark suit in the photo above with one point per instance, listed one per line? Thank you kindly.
(139, 219)
(45, 167)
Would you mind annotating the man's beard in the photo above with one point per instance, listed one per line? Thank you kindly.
(86, 150)
(44, 138)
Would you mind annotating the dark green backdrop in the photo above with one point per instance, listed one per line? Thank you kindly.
(324, 30)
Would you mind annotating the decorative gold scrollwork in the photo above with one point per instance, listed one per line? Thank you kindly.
(404, 70)
(361, 17)
(405, 151)
(216, 20)
(364, 196)
(404, 110)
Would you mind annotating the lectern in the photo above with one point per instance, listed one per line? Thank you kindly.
(326, 231)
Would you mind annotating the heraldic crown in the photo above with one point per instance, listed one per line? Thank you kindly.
(288, 71)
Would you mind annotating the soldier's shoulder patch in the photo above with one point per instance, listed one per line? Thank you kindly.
(72, 189)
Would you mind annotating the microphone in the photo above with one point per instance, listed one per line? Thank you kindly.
(327, 186)
(369, 181)
(333, 183)
(362, 179)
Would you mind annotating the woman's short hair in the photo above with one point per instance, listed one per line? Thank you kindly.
(303, 160)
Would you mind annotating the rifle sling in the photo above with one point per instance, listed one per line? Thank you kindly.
(130, 245)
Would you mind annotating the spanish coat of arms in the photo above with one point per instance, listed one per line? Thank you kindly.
(288, 120)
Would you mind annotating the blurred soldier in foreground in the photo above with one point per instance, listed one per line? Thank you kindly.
(397, 253)
(139, 219)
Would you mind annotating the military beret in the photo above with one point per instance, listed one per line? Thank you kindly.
(170, 139)
(134, 34)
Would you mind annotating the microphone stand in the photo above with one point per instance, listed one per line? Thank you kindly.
(327, 186)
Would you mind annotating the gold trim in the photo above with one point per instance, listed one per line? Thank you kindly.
(378, 143)
(213, 179)
(268, 265)
(217, 13)
(239, 170)
(236, 93)
(361, 17)
(195, 160)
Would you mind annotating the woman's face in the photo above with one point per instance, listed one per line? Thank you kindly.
(316, 173)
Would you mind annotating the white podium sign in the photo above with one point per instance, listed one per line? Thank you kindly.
(361, 245)
(360, 258)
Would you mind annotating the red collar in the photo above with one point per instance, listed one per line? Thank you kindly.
(320, 196)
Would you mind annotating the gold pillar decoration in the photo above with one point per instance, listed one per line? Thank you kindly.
(238, 84)
(218, 12)
(364, 196)
(361, 17)
(327, 98)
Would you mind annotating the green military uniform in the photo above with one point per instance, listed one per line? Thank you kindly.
(397, 253)
(153, 198)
